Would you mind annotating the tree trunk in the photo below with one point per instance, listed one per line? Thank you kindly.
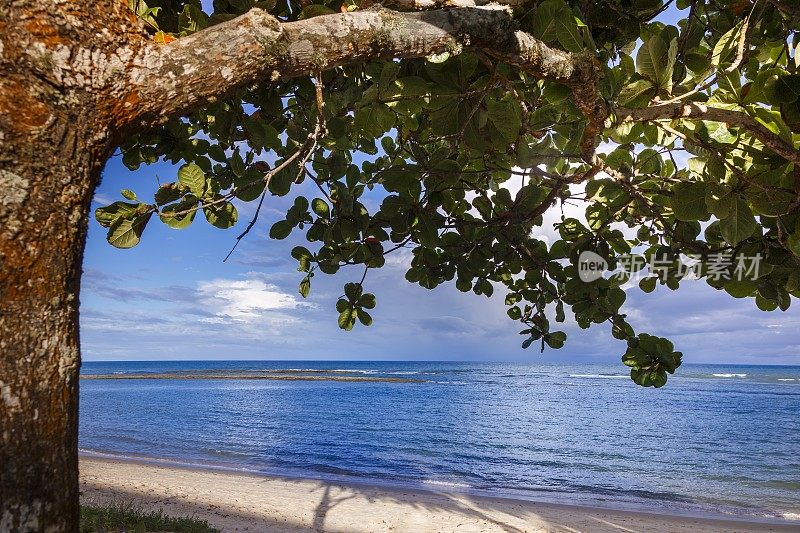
(59, 62)
(44, 202)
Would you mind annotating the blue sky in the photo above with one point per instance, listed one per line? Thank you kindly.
(172, 297)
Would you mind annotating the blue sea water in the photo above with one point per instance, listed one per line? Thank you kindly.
(715, 440)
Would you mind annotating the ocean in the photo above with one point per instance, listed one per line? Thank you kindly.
(718, 440)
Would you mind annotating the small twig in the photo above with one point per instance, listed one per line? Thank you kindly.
(741, 44)
(313, 139)
(249, 226)
(320, 101)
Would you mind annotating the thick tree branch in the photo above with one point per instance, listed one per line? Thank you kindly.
(699, 111)
(421, 5)
(177, 78)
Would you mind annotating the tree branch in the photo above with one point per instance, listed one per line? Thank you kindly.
(421, 5)
(699, 111)
(174, 79)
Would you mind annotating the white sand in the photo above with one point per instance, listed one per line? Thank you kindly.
(241, 502)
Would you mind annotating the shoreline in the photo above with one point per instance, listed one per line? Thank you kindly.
(280, 375)
(247, 501)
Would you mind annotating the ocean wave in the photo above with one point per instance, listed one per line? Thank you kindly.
(450, 484)
(790, 516)
(787, 379)
(729, 375)
(599, 376)
(351, 371)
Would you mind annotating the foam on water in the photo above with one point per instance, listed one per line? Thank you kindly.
(450, 484)
(600, 376)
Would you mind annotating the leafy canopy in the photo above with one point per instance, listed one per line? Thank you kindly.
(468, 155)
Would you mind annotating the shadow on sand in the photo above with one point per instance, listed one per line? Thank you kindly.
(251, 503)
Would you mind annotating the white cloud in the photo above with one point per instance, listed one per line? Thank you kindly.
(102, 199)
(244, 300)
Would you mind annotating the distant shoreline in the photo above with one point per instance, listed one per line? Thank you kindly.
(280, 375)
(231, 500)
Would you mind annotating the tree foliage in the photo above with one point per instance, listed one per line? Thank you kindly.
(698, 160)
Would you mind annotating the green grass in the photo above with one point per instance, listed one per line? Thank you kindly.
(120, 517)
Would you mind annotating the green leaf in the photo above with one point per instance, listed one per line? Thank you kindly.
(719, 201)
(438, 58)
(773, 121)
(560, 311)
(740, 288)
(771, 202)
(347, 319)
(305, 287)
(375, 119)
(281, 181)
(556, 339)
(689, 201)
(353, 291)
(649, 378)
(314, 10)
(504, 115)
(364, 317)
(367, 301)
(656, 61)
(321, 208)
(568, 33)
(726, 45)
(217, 153)
(169, 192)
(765, 304)
(739, 224)
(637, 93)
(169, 218)
(237, 164)
(260, 133)
(545, 20)
(193, 177)
(427, 232)
(280, 230)
(411, 86)
(249, 187)
(191, 20)
(109, 214)
(127, 232)
(527, 342)
(128, 194)
(222, 215)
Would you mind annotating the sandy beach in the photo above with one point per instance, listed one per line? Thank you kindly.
(243, 502)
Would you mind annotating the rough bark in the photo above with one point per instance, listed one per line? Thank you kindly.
(53, 144)
(41, 244)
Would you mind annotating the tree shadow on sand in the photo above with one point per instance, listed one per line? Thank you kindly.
(334, 507)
